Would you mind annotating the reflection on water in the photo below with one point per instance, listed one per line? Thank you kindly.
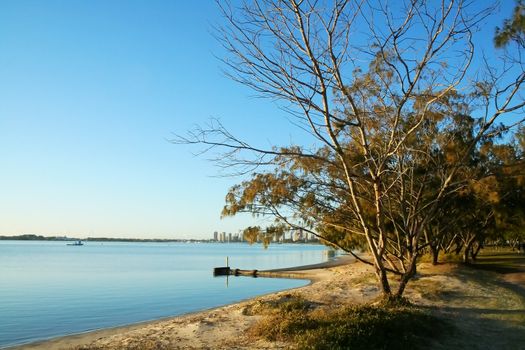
(330, 254)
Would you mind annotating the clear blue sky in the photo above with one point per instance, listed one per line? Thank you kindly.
(90, 91)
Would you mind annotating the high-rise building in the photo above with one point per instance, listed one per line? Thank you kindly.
(215, 236)
(298, 235)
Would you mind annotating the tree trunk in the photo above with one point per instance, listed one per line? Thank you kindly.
(435, 254)
(476, 251)
(468, 250)
(383, 282)
(459, 246)
(411, 271)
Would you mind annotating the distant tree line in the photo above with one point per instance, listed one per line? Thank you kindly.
(33, 237)
(30, 237)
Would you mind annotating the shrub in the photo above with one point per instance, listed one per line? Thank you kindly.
(285, 304)
(355, 327)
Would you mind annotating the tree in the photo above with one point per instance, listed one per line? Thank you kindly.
(513, 29)
(377, 86)
(489, 207)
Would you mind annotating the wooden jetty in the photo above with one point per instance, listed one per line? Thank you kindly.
(222, 271)
(299, 272)
(226, 271)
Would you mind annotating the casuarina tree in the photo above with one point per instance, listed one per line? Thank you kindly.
(385, 91)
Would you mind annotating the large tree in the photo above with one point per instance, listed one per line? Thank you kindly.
(383, 89)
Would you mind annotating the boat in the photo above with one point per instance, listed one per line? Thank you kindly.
(76, 243)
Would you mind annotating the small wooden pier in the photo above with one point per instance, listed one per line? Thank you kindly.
(226, 271)
(299, 272)
(221, 271)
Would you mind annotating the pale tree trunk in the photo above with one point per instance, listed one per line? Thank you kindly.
(468, 249)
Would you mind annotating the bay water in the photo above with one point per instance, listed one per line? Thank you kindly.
(50, 289)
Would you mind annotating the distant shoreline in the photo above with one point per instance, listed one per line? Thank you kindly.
(32, 237)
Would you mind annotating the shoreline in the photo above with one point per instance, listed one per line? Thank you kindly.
(484, 306)
(312, 273)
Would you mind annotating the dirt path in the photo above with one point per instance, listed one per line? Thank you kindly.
(485, 302)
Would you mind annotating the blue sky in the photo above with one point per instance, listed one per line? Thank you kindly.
(90, 91)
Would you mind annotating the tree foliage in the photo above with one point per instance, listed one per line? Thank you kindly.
(404, 134)
(513, 29)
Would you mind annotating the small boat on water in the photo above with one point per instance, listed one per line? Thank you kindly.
(76, 243)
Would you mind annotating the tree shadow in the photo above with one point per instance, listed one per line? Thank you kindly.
(483, 321)
(480, 328)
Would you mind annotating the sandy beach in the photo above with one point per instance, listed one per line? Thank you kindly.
(452, 290)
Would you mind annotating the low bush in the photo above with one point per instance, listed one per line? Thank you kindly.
(354, 327)
(285, 304)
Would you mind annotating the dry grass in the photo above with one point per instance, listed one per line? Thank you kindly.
(144, 344)
(350, 327)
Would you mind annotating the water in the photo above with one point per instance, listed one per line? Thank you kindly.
(49, 289)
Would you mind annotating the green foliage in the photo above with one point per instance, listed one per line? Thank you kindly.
(513, 29)
(355, 327)
(288, 303)
(253, 234)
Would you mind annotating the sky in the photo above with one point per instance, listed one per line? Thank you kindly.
(91, 92)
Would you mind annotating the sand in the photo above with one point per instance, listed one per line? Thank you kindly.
(487, 313)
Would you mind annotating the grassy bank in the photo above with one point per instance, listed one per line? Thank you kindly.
(304, 325)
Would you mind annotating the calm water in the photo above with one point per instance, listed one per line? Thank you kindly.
(49, 289)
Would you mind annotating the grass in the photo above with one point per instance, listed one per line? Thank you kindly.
(351, 327)
(286, 304)
(143, 344)
(501, 261)
(450, 257)
(486, 310)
